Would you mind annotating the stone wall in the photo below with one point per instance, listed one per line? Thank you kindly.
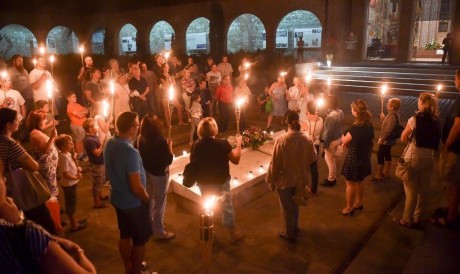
(16, 39)
(128, 34)
(160, 37)
(62, 40)
(246, 33)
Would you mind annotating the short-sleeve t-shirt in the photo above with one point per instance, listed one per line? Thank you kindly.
(92, 142)
(66, 164)
(139, 85)
(12, 99)
(27, 236)
(10, 152)
(96, 91)
(122, 159)
(211, 156)
(361, 138)
(449, 123)
(74, 120)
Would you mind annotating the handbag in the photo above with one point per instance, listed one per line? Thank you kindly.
(189, 175)
(402, 170)
(397, 130)
(27, 188)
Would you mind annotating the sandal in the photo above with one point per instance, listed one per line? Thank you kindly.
(443, 222)
(79, 227)
(403, 223)
(102, 205)
(284, 236)
(347, 212)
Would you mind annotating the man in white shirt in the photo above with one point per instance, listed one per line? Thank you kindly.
(20, 80)
(225, 68)
(12, 99)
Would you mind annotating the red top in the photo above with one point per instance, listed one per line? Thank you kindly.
(224, 94)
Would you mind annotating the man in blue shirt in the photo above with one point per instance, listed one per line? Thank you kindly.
(128, 195)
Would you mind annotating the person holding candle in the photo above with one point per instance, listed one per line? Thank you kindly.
(357, 165)
(92, 89)
(12, 99)
(20, 81)
(332, 138)
(206, 98)
(37, 78)
(313, 126)
(94, 147)
(277, 92)
(423, 133)
(293, 95)
(42, 105)
(305, 97)
(188, 87)
(139, 91)
(102, 118)
(121, 95)
(157, 154)
(390, 121)
(167, 82)
(212, 156)
(242, 95)
(289, 173)
(214, 80)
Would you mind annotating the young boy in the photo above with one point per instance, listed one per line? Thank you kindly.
(206, 97)
(44, 106)
(94, 148)
(70, 175)
(77, 114)
(263, 98)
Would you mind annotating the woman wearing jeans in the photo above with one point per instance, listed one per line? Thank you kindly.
(332, 137)
(211, 157)
(156, 153)
(423, 134)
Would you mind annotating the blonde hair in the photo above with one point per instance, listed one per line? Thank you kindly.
(395, 103)
(430, 103)
(207, 128)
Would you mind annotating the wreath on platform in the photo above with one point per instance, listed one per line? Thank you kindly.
(254, 137)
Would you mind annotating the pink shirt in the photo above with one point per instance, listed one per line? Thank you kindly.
(224, 94)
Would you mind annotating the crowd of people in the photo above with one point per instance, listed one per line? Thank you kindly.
(138, 103)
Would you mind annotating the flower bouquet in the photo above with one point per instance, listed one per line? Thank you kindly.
(254, 137)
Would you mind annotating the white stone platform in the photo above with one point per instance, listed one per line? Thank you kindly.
(247, 181)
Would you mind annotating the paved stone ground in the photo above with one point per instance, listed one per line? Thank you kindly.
(328, 243)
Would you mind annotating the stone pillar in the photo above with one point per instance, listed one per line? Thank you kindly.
(270, 34)
(406, 29)
(142, 42)
(179, 33)
(456, 34)
(110, 42)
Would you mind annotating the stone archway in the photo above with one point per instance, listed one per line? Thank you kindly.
(127, 40)
(197, 36)
(62, 40)
(246, 33)
(16, 39)
(161, 37)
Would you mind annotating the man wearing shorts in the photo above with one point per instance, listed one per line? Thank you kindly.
(128, 195)
(77, 114)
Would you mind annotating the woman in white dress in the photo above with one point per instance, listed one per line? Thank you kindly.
(121, 90)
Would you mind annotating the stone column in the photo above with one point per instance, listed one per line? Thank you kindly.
(456, 34)
(142, 42)
(406, 29)
(110, 42)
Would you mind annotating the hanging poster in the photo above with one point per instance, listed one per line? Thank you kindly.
(128, 44)
(311, 37)
(197, 41)
(281, 38)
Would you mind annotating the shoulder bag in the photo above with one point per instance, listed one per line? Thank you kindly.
(27, 188)
(397, 130)
(402, 167)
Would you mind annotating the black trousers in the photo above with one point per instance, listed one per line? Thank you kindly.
(41, 215)
(224, 116)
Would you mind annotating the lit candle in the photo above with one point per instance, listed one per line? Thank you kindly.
(247, 65)
(283, 73)
(239, 102)
(246, 76)
(34, 61)
(4, 75)
(207, 231)
(308, 78)
(329, 85)
(171, 93)
(382, 96)
(81, 49)
(250, 175)
(184, 152)
(49, 89)
(52, 64)
(166, 55)
(261, 169)
(41, 50)
(105, 109)
(438, 90)
(236, 181)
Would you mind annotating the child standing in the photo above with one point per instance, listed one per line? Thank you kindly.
(94, 148)
(77, 114)
(44, 106)
(263, 98)
(70, 175)
(206, 97)
(196, 112)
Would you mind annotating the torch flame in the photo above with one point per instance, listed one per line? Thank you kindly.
(112, 88)
(384, 89)
(209, 203)
(81, 49)
(49, 88)
(283, 73)
(247, 65)
(41, 50)
(52, 58)
(320, 102)
(171, 93)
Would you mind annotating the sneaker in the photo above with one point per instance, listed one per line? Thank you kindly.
(165, 236)
(328, 183)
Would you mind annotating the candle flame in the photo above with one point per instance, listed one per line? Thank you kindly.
(384, 89)
(167, 54)
(246, 76)
(239, 102)
(261, 169)
(283, 73)
(41, 50)
(52, 59)
(34, 61)
(4, 75)
(320, 102)
(209, 203)
(171, 93)
(439, 88)
(247, 65)
(81, 49)
(250, 175)
(184, 152)
(308, 77)
(49, 88)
